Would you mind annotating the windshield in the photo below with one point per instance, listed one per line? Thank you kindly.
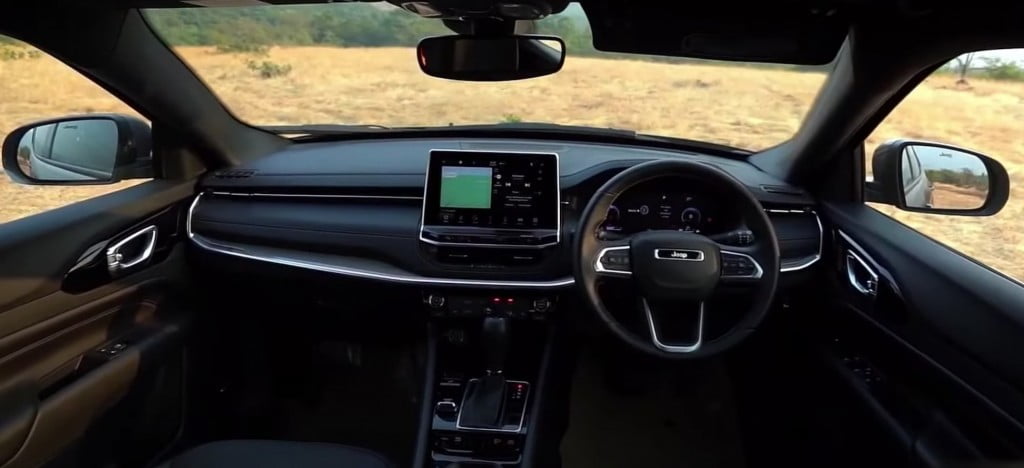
(354, 63)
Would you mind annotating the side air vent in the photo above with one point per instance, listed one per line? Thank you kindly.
(234, 174)
(782, 189)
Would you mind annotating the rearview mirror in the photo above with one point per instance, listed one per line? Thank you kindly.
(506, 58)
(936, 178)
(80, 150)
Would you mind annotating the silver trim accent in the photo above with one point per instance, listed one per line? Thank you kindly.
(675, 348)
(700, 256)
(598, 267)
(756, 275)
(454, 407)
(869, 289)
(500, 246)
(271, 255)
(821, 241)
(861, 256)
(522, 418)
(313, 195)
(115, 260)
(558, 201)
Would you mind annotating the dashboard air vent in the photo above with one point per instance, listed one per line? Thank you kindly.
(782, 189)
(234, 174)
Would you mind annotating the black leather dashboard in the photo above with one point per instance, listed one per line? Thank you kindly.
(353, 208)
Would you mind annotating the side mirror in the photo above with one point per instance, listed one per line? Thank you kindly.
(503, 58)
(79, 150)
(931, 177)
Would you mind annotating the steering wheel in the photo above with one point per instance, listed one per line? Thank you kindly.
(675, 272)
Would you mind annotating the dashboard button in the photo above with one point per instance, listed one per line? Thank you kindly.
(435, 301)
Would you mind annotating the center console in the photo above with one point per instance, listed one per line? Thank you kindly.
(488, 359)
(488, 211)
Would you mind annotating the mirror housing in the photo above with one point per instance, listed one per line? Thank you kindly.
(929, 177)
(79, 150)
(490, 58)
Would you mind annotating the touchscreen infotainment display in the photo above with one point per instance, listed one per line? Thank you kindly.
(466, 187)
(492, 190)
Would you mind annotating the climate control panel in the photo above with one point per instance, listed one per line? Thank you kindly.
(513, 306)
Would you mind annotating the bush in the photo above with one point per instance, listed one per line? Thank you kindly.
(267, 69)
(962, 178)
(18, 53)
(243, 48)
(511, 118)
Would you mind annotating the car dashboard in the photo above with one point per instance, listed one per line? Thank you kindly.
(356, 209)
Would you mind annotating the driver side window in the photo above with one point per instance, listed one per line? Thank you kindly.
(977, 106)
(34, 87)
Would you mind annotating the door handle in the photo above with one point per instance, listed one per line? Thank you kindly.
(861, 276)
(132, 250)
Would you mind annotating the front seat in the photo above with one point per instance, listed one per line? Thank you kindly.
(277, 454)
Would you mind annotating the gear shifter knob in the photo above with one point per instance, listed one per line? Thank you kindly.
(494, 339)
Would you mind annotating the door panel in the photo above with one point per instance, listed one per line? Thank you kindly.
(92, 361)
(931, 348)
(37, 252)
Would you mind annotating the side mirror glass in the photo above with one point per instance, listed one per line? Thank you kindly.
(937, 178)
(945, 179)
(93, 149)
(505, 58)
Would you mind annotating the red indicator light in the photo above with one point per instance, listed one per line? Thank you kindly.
(510, 300)
(496, 300)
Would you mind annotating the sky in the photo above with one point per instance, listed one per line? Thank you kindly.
(932, 157)
(1009, 55)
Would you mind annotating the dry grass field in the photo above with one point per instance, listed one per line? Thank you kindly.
(957, 198)
(745, 107)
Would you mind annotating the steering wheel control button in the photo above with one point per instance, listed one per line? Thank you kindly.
(615, 261)
(737, 265)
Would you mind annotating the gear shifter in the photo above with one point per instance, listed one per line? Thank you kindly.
(494, 338)
(483, 406)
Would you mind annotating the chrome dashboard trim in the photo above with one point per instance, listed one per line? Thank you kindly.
(558, 202)
(313, 195)
(295, 259)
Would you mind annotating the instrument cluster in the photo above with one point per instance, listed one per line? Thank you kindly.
(670, 204)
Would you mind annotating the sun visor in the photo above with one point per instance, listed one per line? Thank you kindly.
(790, 33)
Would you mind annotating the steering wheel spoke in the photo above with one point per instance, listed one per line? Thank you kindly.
(675, 336)
(613, 259)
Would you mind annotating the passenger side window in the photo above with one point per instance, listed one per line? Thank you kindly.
(33, 87)
(983, 111)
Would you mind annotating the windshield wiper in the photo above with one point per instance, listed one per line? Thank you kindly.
(323, 129)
